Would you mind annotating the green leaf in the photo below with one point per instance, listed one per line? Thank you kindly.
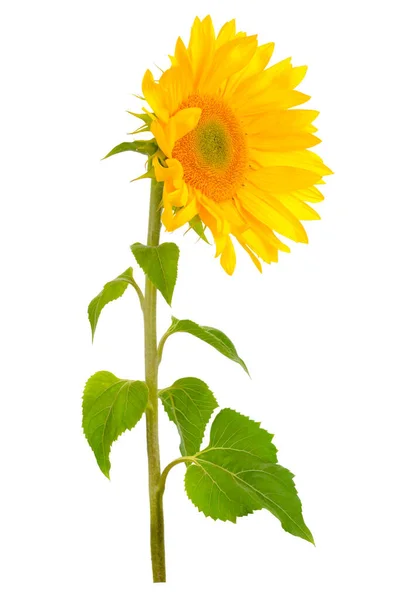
(189, 403)
(111, 291)
(160, 264)
(197, 225)
(214, 337)
(147, 120)
(110, 407)
(237, 474)
(148, 147)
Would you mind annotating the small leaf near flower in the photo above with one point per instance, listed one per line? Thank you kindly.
(210, 335)
(110, 407)
(160, 264)
(237, 474)
(148, 147)
(189, 403)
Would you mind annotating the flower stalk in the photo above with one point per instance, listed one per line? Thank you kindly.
(151, 371)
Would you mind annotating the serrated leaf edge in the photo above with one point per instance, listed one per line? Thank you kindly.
(119, 278)
(308, 534)
(157, 249)
(176, 423)
(126, 381)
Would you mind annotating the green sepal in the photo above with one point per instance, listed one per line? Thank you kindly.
(148, 175)
(140, 129)
(238, 474)
(214, 337)
(147, 120)
(110, 407)
(198, 227)
(189, 403)
(160, 264)
(148, 147)
(111, 291)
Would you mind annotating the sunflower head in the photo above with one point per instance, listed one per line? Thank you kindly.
(233, 152)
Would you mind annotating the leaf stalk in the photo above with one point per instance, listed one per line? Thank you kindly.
(164, 474)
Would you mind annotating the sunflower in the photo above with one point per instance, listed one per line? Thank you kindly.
(233, 152)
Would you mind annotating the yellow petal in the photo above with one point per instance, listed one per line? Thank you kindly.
(298, 208)
(201, 48)
(297, 75)
(173, 170)
(175, 85)
(256, 65)
(221, 224)
(207, 219)
(275, 85)
(282, 179)
(259, 83)
(167, 216)
(180, 124)
(177, 197)
(281, 143)
(176, 127)
(311, 194)
(184, 215)
(231, 214)
(220, 243)
(228, 257)
(260, 246)
(154, 98)
(253, 257)
(260, 60)
(226, 33)
(304, 159)
(264, 232)
(271, 99)
(273, 214)
(229, 58)
(279, 122)
(182, 56)
(157, 128)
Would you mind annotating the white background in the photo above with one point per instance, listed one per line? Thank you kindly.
(319, 331)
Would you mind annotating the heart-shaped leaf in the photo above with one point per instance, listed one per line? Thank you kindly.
(110, 407)
(160, 264)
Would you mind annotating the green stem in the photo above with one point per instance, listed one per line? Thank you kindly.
(138, 291)
(151, 368)
(167, 469)
(161, 345)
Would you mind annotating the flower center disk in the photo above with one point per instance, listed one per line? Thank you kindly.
(214, 154)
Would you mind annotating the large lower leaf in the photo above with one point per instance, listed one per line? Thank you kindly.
(237, 474)
(160, 264)
(189, 403)
(111, 291)
(210, 335)
(110, 407)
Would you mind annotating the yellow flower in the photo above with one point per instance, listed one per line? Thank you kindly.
(232, 148)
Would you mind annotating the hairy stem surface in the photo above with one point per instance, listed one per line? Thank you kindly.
(151, 368)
